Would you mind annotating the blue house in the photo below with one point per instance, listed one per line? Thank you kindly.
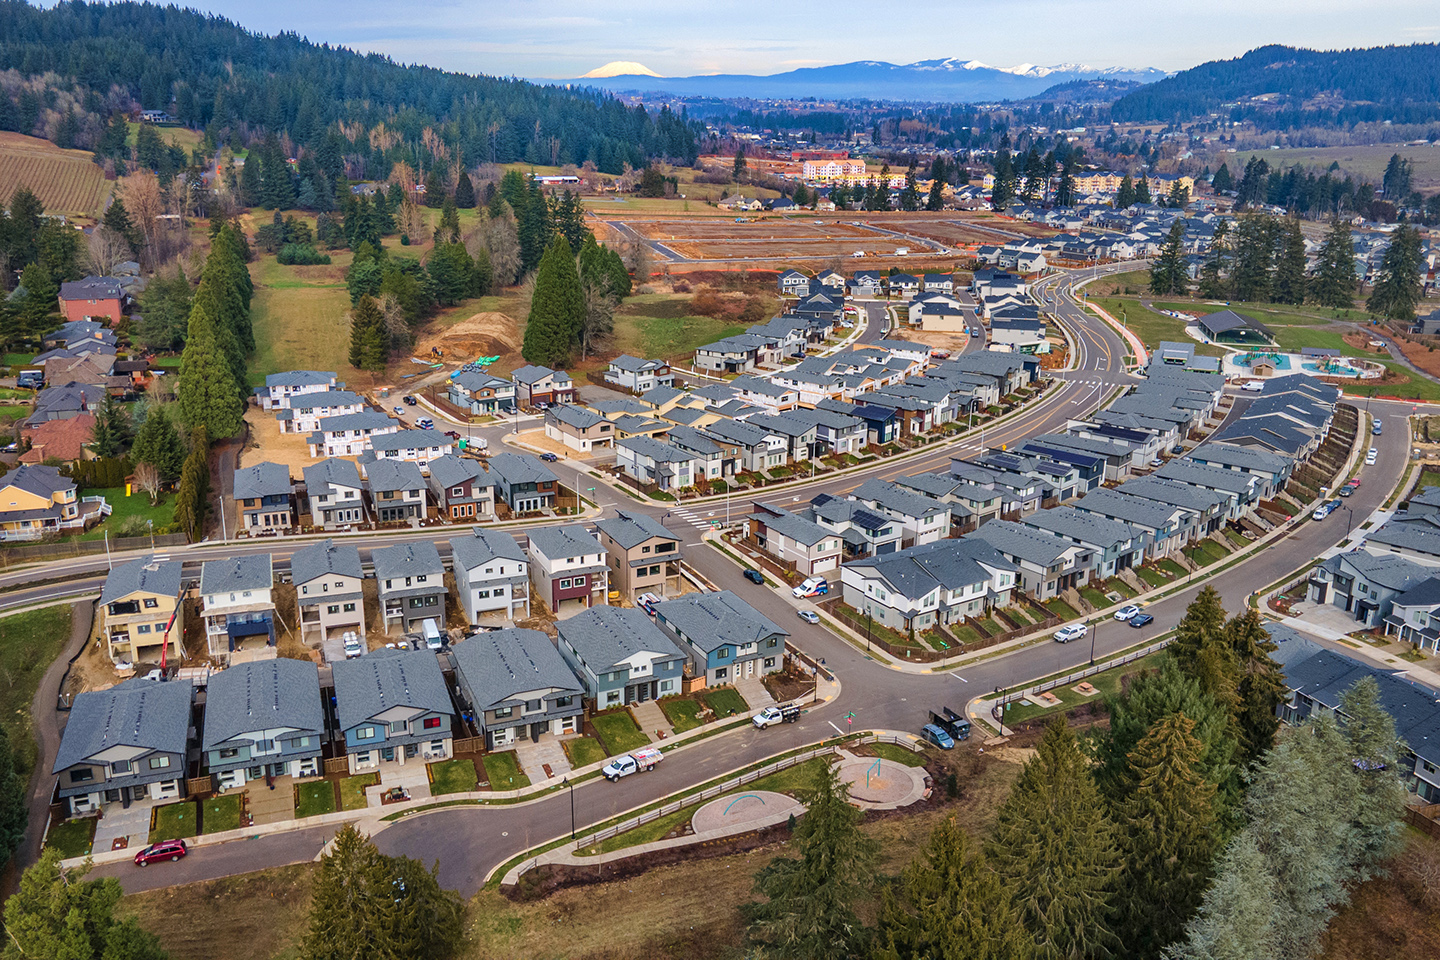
(726, 637)
(620, 656)
(392, 706)
(262, 719)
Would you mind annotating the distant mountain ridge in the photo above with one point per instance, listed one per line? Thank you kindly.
(1378, 75)
(951, 80)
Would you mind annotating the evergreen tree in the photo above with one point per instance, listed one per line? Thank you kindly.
(208, 391)
(464, 191)
(452, 272)
(482, 274)
(737, 172)
(1254, 256)
(252, 186)
(910, 196)
(368, 337)
(938, 171)
(1214, 275)
(57, 914)
(34, 313)
(1260, 685)
(278, 191)
(1033, 187)
(534, 228)
(1377, 828)
(1125, 195)
(809, 907)
(111, 432)
(449, 229)
(1142, 190)
(22, 227)
(1003, 192)
(1168, 272)
(1239, 916)
(1222, 182)
(13, 812)
(1054, 847)
(1200, 648)
(192, 497)
(1290, 265)
(951, 906)
(1334, 283)
(117, 218)
(1397, 289)
(1179, 196)
(1065, 192)
(158, 444)
(557, 308)
(1168, 840)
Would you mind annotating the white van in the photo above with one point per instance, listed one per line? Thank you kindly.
(812, 587)
(431, 632)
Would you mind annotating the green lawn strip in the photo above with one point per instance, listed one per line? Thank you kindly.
(28, 643)
(1107, 682)
(618, 732)
(1061, 609)
(645, 833)
(352, 790)
(1418, 388)
(896, 753)
(1097, 599)
(452, 776)
(1151, 576)
(503, 771)
(314, 797)
(73, 838)
(221, 813)
(583, 751)
(174, 821)
(725, 701)
(1238, 541)
(1122, 588)
(124, 508)
(12, 413)
(681, 713)
(1171, 567)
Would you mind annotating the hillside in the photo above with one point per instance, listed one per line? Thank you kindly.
(66, 181)
(211, 73)
(1308, 81)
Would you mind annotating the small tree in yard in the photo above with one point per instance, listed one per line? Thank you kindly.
(147, 478)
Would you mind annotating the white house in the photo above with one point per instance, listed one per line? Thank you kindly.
(306, 410)
(281, 387)
(492, 575)
(349, 435)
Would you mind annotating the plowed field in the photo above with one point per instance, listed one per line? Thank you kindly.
(66, 181)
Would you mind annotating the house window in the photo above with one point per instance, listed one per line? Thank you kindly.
(229, 753)
(432, 601)
(333, 608)
(421, 578)
(579, 581)
(84, 775)
(503, 712)
(532, 705)
(769, 662)
(565, 584)
(349, 608)
(151, 603)
(365, 733)
(431, 723)
(721, 673)
(143, 628)
(159, 763)
(305, 589)
(300, 742)
(644, 549)
(564, 701)
(399, 726)
(362, 757)
(482, 594)
(724, 652)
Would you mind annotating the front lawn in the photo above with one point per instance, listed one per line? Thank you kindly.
(503, 771)
(583, 751)
(128, 514)
(681, 712)
(1171, 567)
(73, 838)
(1097, 599)
(452, 776)
(1151, 576)
(1061, 609)
(618, 732)
(725, 701)
(173, 821)
(352, 790)
(314, 797)
(221, 813)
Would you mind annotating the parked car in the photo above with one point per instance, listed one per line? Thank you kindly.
(1376, 426)
(1126, 612)
(353, 646)
(1371, 456)
(399, 411)
(755, 576)
(1140, 620)
(1156, 462)
(932, 734)
(809, 616)
(1075, 631)
(409, 400)
(1346, 490)
(1352, 483)
(425, 423)
(1254, 386)
(453, 434)
(647, 602)
(164, 850)
(813, 586)
(549, 457)
(1321, 512)
(784, 713)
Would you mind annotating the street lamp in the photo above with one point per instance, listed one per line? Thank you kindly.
(1092, 642)
(566, 783)
(220, 501)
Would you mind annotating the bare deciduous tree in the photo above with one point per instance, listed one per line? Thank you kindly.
(145, 204)
(412, 220)
(147, 478)
(599, 322)
(500, 238)
(105, 249)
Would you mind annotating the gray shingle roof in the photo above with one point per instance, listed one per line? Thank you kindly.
(895, 498)
(143, 574)
(324, 558)
(407, 560)
(299, 378)
(1216, 478)
(1134, 510)
(514, 468)
(364, 420)
(247, 572)
(384, 476)
(562, 542)
(632, 529)
(502, 664)
(1387, 570)
(795, 527)
(344, 473)
(710, 620)
(534, 374)
(573, 416)
(1246, 458)
(261, 480)
(136, 713)
(604, 635)
(657, 450)
(38, 479)
(1406, 536)
(370, 685)
(484, 545)
(1017, 540)
(1066, 521)
(263, 695)
(952, 564)
(453, 471)
(324, 398)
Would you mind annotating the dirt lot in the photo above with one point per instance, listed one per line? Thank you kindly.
(481, 335)
(954, 342)
(268, 443)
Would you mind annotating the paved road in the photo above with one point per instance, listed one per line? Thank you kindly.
(468, 841)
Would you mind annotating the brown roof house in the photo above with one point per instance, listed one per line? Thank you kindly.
(59, 439)
(644, 557)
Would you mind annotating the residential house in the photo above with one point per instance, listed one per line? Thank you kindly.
(836, 433)
(138, 601)
(462, 489)
(794, 540)
(336, 494)
(397, 491)
(1047, 565)
(492, 575)
(639, 375)
(970, 505)
(79, 334)
(329, 589)
(392, 706)
(714, 458)
(727, 639)
(412, 584)
(834, 280)
(923, 518)
(863, 532)
(125, 744)
(307, 410)
(1415, 615)
(265, 497)
(904, 285)
(1272, 468)
(65, 401)
(1168, 527)
(1116, 545)
(756, 449)
(567, 567)
(741, 353)
(535, 385)
(620, 656)
(649, 461)
(577, 428)
(481, 394)
(263, 719)
(236, 603)
(93, 298)
(643, 556)
(1365, 585)
(932, 584)
(1209, 506)
(281, 388)
(793, 283)
(522, 483)
(518, 686)
(939, 283)
(412, 446)
(65, 440)
(349, 435)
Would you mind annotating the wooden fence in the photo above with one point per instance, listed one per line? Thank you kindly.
(78, 548)
(1423, 818)
(998, 710)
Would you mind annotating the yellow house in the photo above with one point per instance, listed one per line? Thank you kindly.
(36, 500)
(138, 600)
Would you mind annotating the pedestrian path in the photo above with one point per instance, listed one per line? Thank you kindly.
(690, 517)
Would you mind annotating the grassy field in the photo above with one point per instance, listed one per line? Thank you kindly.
(352, 790)
(1152, 327)
(583, 751)
(254, 916)
(28, 643)
(174, 821)
(221, 813)
(314, 797)
(618, 732)
(503, 771)
(658, 325)
(66, 181)
(1107, 682)
(1365, 162)
(299, 317)
(452, 776)
(124, 508)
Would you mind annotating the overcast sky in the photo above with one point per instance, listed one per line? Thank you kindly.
(566, 38)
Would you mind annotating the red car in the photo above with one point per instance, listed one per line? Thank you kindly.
(164, 850)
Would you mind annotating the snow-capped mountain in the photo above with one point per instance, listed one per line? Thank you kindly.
(947, 80)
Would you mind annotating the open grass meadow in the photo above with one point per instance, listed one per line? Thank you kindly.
(29, 642)
(299, 315)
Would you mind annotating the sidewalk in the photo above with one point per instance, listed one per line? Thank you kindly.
(1356, 648)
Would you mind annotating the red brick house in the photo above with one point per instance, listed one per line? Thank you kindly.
(94, 298)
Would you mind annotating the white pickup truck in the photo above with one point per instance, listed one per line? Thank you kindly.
(632, 763)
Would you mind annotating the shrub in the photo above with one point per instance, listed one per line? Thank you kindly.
(708, 303)
(301, 254)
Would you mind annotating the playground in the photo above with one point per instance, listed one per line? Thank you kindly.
(880, 784)
(1254, 362)
(736, 812)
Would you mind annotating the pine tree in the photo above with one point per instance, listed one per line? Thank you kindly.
(117, 218)
(192, 497)
(1222, 182)
(938, 173)
(1334, 283)
(449, 229)
(737, 172)
(278, 188)
(910, 196)
(58, 914)
(1168, 840)
(208, 391)
(451, 270)
(557, 308)
(1254, 256)
(464, 191)
(1054, 847)
(34, 313)
(368, 338)
(1168, 272)
(1065, 192)
(951, 906)
(1260, 685)
(1290, 265)
(1125, 195)
(1004, 190)
(1377, 828)
(809, 907)
(1201, 651)
(1397, 289)
(111, 432)
(1142, 190)
(159, 445)
(1214, 275)
(1239, 917)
